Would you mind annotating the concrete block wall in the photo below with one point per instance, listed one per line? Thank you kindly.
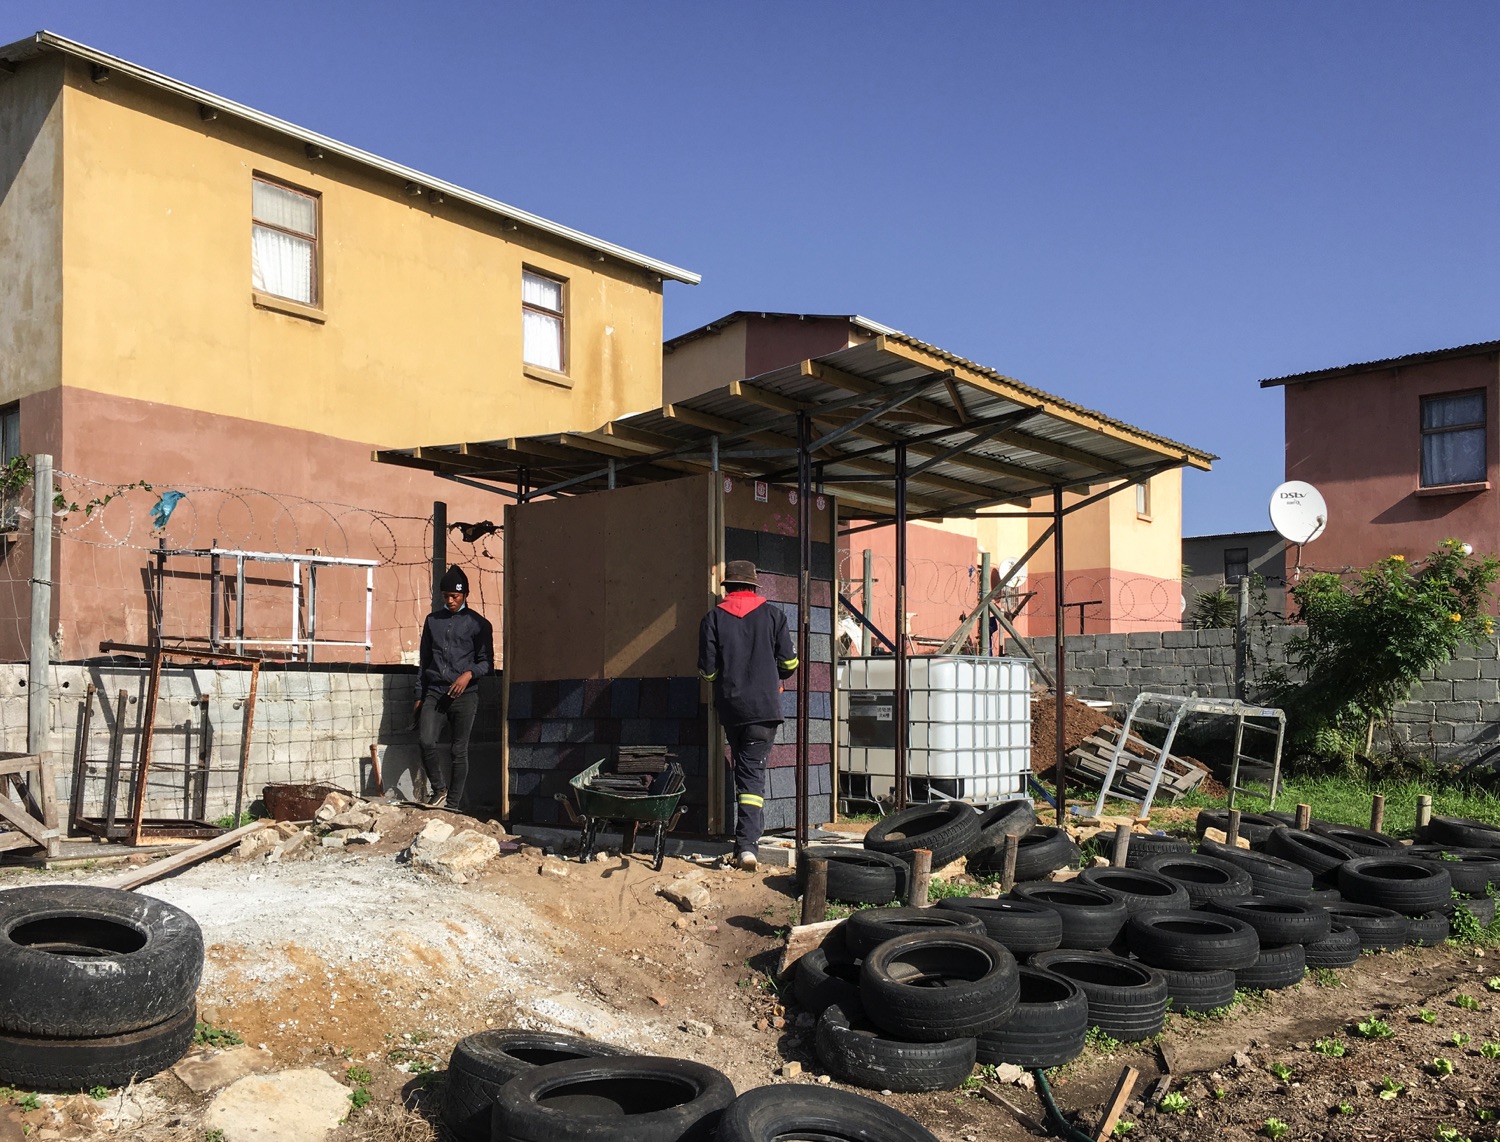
(1453, 713)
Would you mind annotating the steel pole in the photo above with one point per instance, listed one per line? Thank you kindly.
(804, 618)
(1060, 668)
(903, 692)
(866, 601)
(38, 680)
(439, 550)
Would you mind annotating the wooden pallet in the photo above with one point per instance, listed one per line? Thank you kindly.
(28, 820)
(1138, 760)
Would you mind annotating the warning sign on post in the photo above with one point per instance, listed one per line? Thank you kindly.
(762, 492)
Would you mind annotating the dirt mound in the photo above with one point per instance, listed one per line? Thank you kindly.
(1080, 723)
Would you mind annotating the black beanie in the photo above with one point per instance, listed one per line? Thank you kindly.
(454, 580)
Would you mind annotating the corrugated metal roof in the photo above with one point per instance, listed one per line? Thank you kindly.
(973, 436)
(1474, 350)
(717, 324)
(42, 42)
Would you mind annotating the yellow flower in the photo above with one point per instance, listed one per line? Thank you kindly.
(1456, 617)
(1398, 559)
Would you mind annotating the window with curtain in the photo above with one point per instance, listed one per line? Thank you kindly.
(1453, 444)
(10, 449)
(1143, 498)
(1236, 563)
(542, 300)
(284, 241)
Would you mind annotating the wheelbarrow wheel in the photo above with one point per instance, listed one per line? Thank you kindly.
(659, 854)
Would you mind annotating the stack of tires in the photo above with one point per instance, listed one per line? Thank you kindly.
(901, 1011)
(525, 1086)
(99, 986)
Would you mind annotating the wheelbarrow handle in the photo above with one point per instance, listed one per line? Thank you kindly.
(567, 803)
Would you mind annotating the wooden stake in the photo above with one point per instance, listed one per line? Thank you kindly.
(375, 768)
(1116, 1105)
(1304, 816)
(136, 877)
(1122, 846)
(1377, 812)
(921, 878)
(1232, 830)
(815, 891)
(1424, 810)
(1008, 855)
(990, 1094)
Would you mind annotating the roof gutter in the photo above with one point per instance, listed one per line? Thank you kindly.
(43, 42)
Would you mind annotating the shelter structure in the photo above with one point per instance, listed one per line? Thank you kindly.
(889, 431)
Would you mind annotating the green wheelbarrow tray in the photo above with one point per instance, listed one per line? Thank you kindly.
(596, 808)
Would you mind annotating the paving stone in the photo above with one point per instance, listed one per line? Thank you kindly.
(289, 1106)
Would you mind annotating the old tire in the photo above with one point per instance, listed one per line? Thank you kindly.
(1276, 968)
(1398, 883)
(82, 962)
(1144, 845)
(1254, 827)
(1192, 941)
(861, 876)
(1323, 897)
(1091, 917)
(1044, 849)
(1138, 889)
(854, 1050)
(1127, 1000)
(1379, 929)
(1339, 949)
(1199, 991)
(1482, 908)
(948, 830)
(1269, 875)
(931, 987)
(1203, 877)
(1007, 819)
(1022, 927)
(632, 1098)
(1277, 921)
(73, 1064)
(1361, 842)
(484, 1062)
(1318, 854)
(1461, 832)
(773, 1113)
(1428, 930)
(824, 979)
(1471, 871)
(867, 929)
(1048, 1028)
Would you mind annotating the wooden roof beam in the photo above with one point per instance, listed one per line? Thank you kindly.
(930, 410)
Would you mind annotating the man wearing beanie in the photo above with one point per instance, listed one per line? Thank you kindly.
(745, 650)
(458, 649)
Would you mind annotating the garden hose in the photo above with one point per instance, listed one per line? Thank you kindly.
(1063, 1127)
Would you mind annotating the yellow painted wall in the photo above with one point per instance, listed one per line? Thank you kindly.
(422, 339)
(30, 231)
(704, 363)
(1147, 547)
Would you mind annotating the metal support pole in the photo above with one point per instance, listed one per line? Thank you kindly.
(215, 593)
(159, 573)
(1242, 638)
(866, 601)
(312, 613)
(903, 683)
(611, 473)
(986, 647)
(1060, 666)
(439, 550)
(38, 675)
(804, 619)
(239, 604)
(713, 451)
(369, 610)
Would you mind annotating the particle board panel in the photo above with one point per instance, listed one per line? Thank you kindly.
(555, 628)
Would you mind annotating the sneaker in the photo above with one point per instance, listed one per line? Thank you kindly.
(747, 862)
(437, 799)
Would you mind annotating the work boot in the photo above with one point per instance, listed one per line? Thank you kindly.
(747, 862)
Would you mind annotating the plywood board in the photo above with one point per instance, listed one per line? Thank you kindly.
(556, 624)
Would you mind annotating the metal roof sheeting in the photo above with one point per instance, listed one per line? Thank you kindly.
(42, 42)
(1474, 350)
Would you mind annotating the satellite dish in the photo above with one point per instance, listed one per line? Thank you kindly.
(1298, 512)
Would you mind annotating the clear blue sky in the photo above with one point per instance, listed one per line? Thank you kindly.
(1143, 207)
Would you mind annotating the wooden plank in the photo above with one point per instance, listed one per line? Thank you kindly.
(1116, 1105)
(19, 763)
(18, 819)
(136, 877)
(990, 1094)
(803, 939)
(10, 841)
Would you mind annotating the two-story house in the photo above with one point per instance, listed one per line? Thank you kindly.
(199, 295)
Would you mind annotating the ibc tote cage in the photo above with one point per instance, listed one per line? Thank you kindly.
(896, 430)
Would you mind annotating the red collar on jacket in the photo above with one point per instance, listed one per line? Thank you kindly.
(741, 603)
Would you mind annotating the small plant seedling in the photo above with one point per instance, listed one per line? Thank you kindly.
(1490, 1050)
(1173, 1102)
(1483, 1114)
(216, 1134)
(1122, 1128)
(1459, 1039)
(1449, 1134)
(1345, 1108)
(1467, 1002)
(1493, 983)
(1275, 1128)
(1333, 1048)
(1390, 1088)
(1373, 1028)
(359, 1098)
(1326, 977)
(1281, 1071)
(1101, 1041)
(1442, 1067)
(29, 1102)
(1426, 1016)
(207, 1035)
(98, 1093)
(358, 1075)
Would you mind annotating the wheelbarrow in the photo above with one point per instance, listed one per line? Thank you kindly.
(596, 808)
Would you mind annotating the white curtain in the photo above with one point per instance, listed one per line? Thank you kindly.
(542, 339)
(284, 208)
(544, 293)
(1455, 456)
(281, 264)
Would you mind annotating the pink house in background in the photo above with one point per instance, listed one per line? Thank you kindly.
(1404, 450)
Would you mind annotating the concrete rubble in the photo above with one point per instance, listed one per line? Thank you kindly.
(440, 850)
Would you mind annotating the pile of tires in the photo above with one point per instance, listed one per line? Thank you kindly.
(908, 1019)
(99, 986)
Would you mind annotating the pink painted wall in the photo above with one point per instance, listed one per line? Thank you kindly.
(1358, 440)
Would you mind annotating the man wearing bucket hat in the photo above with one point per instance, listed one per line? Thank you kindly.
(458, 649)
(745, 650)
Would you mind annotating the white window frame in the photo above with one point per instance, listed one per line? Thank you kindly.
(1143, 499)
(314, 240)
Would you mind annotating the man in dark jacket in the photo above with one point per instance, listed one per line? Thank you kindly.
(745, 650)
(458, 649)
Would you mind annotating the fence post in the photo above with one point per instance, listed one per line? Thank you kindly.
(439, 550)
(1424, 810)
(1242, 638)
(38, 676)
